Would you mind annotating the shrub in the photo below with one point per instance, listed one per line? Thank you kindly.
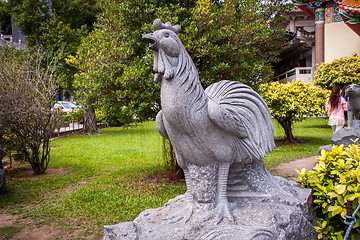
(293, 101)
(27, 91)
(75, 116)
(342, 71)
(335, 180)
(100, 116)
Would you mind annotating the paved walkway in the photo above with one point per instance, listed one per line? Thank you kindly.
(288, 170)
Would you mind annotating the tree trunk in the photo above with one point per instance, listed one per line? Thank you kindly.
(169, 157)
(1, 157)
(286, 125)
(89, 120)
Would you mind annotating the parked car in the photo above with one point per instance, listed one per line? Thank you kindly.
(65, 106)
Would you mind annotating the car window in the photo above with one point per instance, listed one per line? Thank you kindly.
(69, 105)
(73, 106)
(66, 105)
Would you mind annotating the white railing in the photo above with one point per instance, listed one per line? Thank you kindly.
(304, 74)
(7, 40)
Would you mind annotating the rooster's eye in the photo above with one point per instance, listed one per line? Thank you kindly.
(166, 35)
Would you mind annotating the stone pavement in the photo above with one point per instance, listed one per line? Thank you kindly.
(288, 170)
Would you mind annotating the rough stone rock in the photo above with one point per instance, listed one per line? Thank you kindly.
(347, 135)
(327, 148)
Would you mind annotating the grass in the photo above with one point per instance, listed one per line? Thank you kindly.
(8, 232)
(105, 179)
(314, 132)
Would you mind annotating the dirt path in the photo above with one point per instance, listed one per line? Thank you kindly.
(13, 228)
(288, 170)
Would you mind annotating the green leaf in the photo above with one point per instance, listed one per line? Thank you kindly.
(332, 194)
(341, 200)
(340, 189)
(335, 210)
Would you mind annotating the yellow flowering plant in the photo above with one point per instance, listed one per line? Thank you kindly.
(335, 179)
(293, 102)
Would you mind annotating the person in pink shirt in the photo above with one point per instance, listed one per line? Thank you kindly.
(336, 106)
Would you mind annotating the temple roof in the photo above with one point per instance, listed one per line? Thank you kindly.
(349, 10)
(353, 4)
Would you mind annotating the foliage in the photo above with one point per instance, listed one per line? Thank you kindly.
(36, 17)
(5, 19)
(27, 91)
(75, 115)
(57, 26)
(30, 16)
(227, 40)
(292, 102)
(335, 180)
(235, 40)
(100, 116)
(342, 71)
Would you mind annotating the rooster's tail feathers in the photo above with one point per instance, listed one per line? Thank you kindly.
(247, 107)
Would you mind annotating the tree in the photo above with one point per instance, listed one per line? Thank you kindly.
(115, 70)
(5, 19)
(341, 71)
(233, 40)
(30, 16)
(55, 25)
(293, 102)
(36, 17)
(27, 93)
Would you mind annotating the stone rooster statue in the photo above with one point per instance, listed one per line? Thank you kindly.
(225, 124)
(352, 92)
(220, 136)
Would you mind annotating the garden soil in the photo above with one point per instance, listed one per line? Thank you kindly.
(25, 229)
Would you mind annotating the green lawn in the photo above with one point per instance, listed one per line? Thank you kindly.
(107, 178)
(313, 130)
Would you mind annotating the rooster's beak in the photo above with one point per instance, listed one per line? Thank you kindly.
(150, 38)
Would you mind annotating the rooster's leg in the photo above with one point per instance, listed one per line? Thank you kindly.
(222, 209)
(187, 211)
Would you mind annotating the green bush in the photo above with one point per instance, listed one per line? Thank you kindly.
(100, 116)
(335, 180)
(292, 102)
(341, 71)
(75, 116)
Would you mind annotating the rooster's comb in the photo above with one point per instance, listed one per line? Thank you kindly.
(157, 25)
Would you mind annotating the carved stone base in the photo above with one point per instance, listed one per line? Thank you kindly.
(264, 207)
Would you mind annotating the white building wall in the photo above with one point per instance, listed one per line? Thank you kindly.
(340, 41)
